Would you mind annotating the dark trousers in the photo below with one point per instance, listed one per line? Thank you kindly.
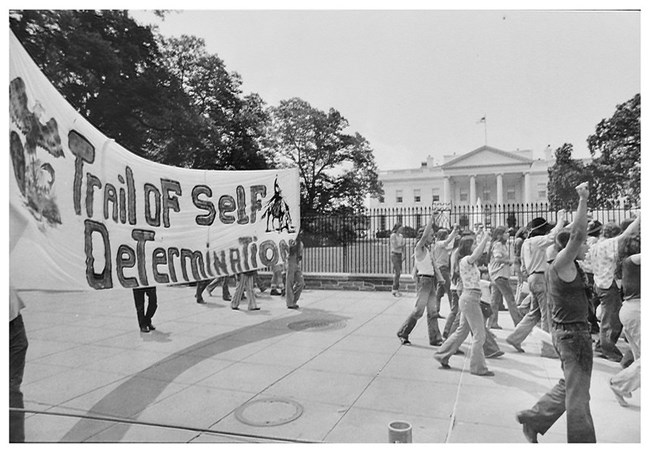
(396, 259)
(144, 318)
(570, 394)
(17, 352)
(610, 324)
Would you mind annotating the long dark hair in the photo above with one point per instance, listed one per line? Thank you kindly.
(465, 247)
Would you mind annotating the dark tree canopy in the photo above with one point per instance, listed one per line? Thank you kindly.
(125, 80)
(565, 174)
(337, 169)
(616, 149)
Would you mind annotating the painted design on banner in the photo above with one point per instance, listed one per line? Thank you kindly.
(35, 178)
(278, 210)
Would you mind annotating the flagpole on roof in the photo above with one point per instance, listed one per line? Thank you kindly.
(484, 121)
(485, 125)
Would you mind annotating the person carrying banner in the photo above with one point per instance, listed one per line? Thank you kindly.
(144, 317)
(210, 285)
(295, 280)
(245, 283)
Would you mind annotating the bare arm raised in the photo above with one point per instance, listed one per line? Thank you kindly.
(564, 260)
(478, 251)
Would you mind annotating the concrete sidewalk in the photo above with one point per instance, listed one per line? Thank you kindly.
(332, 371)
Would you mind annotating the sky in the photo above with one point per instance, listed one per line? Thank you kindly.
(416, 82)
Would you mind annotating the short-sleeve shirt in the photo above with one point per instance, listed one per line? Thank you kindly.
(603, 261)
(397, 243)
(533, 253)
(495, 268)
(586, 263)
(469, 274)
(440, 254)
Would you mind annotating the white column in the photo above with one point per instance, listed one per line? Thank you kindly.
(527, 187)
(499, 188)
(472, 190)
(446, 190)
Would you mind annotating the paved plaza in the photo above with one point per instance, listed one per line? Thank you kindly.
(332, 371)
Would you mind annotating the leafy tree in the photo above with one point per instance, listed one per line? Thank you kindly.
(230, 127)
(166, 100)
(337, 169)
(563, 176)
(108, 67)
(616, 148)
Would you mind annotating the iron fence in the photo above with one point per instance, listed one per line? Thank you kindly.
(359, 243)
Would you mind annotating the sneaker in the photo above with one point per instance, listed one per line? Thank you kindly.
(151, 327)
(199, 300)
(443, 362)
(620, 397)
(494, 355)
(529, 433)
(405, 341)
(227, 298)
(294, 307)
(515, 345)
(436, 343)
(496, 327)
(144, 329)
(486, 373)
(275, 292)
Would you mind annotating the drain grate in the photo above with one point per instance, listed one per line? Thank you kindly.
(268, 412)
(317, 324)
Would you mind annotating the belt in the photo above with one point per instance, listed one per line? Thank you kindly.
(428, 276)
(537, 272)
(571, 326)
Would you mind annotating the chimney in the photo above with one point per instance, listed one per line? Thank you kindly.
(429, 161)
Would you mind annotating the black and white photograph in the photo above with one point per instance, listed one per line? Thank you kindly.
(263, 224)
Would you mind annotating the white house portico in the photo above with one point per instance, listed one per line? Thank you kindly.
(492, 175)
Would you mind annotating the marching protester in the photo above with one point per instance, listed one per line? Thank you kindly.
(491, 348)
(277, 279)
(604, 257)
(629, 379)
(534, 265)
(594, 228)
(428, 276)
(499, 271)
(471, 316)
(295, 280)
(144, 317)
(569, 309)
(245, 283)
(210, 285)
(397, 252)
(441, 258)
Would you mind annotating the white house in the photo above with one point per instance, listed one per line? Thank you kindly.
(492, 175)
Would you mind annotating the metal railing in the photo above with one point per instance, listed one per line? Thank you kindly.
(359, 243)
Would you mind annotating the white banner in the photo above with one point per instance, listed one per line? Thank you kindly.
(87, 213)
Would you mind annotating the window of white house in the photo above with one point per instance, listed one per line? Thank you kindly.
(435, 194)
(463, 195)
(416, 195)
(511, 194)
(399, 197)
(541, 190)
(486, 195)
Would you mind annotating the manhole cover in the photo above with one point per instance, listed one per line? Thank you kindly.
(317, 324)
(268, 412)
